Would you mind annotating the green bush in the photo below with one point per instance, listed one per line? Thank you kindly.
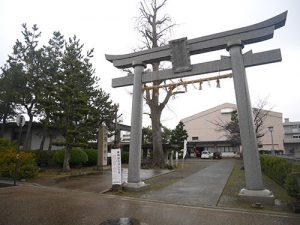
(124, 157)
(45, 158)
(78, 157)
(276, 168)
(292, 186)
(27, 164)
(6, 144)
(92, 157)
(283, 172)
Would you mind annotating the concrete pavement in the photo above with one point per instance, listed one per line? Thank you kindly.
(202, 188)
(97, 182)
(78, 201)
(36, 205)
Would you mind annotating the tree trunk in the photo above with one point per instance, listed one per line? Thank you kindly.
(3, 126)
(66, 165)
(158, 153)
(28, 133)
(50, 142)
(43, 138)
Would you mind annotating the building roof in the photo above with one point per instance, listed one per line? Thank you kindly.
(226, 107)
(208, 111)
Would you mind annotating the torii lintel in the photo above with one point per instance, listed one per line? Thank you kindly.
(247, 35)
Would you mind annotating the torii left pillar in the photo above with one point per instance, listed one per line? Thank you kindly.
(134, 180)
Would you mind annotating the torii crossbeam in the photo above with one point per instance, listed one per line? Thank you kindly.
(179, 52)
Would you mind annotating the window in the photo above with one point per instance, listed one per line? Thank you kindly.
(296, 136)
(195, 138)
(227, 110)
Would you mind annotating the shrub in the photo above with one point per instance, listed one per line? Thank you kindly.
(45, 158)
(6, 144)
(276, 168)
(292, 186)
(283, 172)
(124, 157)
(27, 164)
(92, 157)
(78, 157)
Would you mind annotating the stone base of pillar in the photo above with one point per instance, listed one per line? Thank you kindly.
(135, 187)
(257, 196)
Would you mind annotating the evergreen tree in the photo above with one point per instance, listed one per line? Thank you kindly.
(73, 94)
(179, 134)
(10, 85)
(52, 65)
(26, 59)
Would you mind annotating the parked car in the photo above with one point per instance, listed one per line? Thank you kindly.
(206, 155)
(217, 155)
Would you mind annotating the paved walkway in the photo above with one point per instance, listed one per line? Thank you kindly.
(98, 183)
(36, 205)
(202, 188)
(79, 202)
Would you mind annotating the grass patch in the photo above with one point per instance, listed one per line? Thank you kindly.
(57, 173)
(236, 182)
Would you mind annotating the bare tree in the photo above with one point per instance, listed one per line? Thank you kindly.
(154, 28)
(232, 127)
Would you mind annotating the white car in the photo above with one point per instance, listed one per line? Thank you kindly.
(206, 155)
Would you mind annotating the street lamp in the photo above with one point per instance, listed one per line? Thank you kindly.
(271, 128)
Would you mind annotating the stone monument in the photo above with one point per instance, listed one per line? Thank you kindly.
(102, 147)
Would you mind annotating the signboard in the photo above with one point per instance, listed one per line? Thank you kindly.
(116, 167)
(20, 120)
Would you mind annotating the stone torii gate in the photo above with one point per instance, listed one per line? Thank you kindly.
(179, 52)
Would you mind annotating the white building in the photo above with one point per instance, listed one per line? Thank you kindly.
(204, 134)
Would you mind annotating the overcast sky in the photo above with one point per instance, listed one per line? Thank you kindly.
(108, 26)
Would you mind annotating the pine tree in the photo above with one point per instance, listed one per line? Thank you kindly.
(179, 134)
(52, 61)
(73, 94)
(11, 81)
(26, 59)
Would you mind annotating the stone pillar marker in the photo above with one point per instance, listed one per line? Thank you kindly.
(254, 186)
(134, 180)
(102, 147)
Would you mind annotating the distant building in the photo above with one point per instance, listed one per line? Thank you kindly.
(11, 132)
(292, 137)
(205, 135)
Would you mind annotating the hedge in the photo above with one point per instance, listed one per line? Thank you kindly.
(77, 157)
(92, 157)
(124, 157)
(45, 158)
(6, 144)
(282, 172)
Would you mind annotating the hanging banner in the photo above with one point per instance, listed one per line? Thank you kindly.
(116, 166)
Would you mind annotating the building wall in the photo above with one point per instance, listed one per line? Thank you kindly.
(274, 119)
(202, 125)
(12, 132)
(36, 138)
(292, 137)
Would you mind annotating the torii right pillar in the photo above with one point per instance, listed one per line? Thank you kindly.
(254, 190)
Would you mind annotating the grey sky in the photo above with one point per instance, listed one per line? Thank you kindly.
(108, 26)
